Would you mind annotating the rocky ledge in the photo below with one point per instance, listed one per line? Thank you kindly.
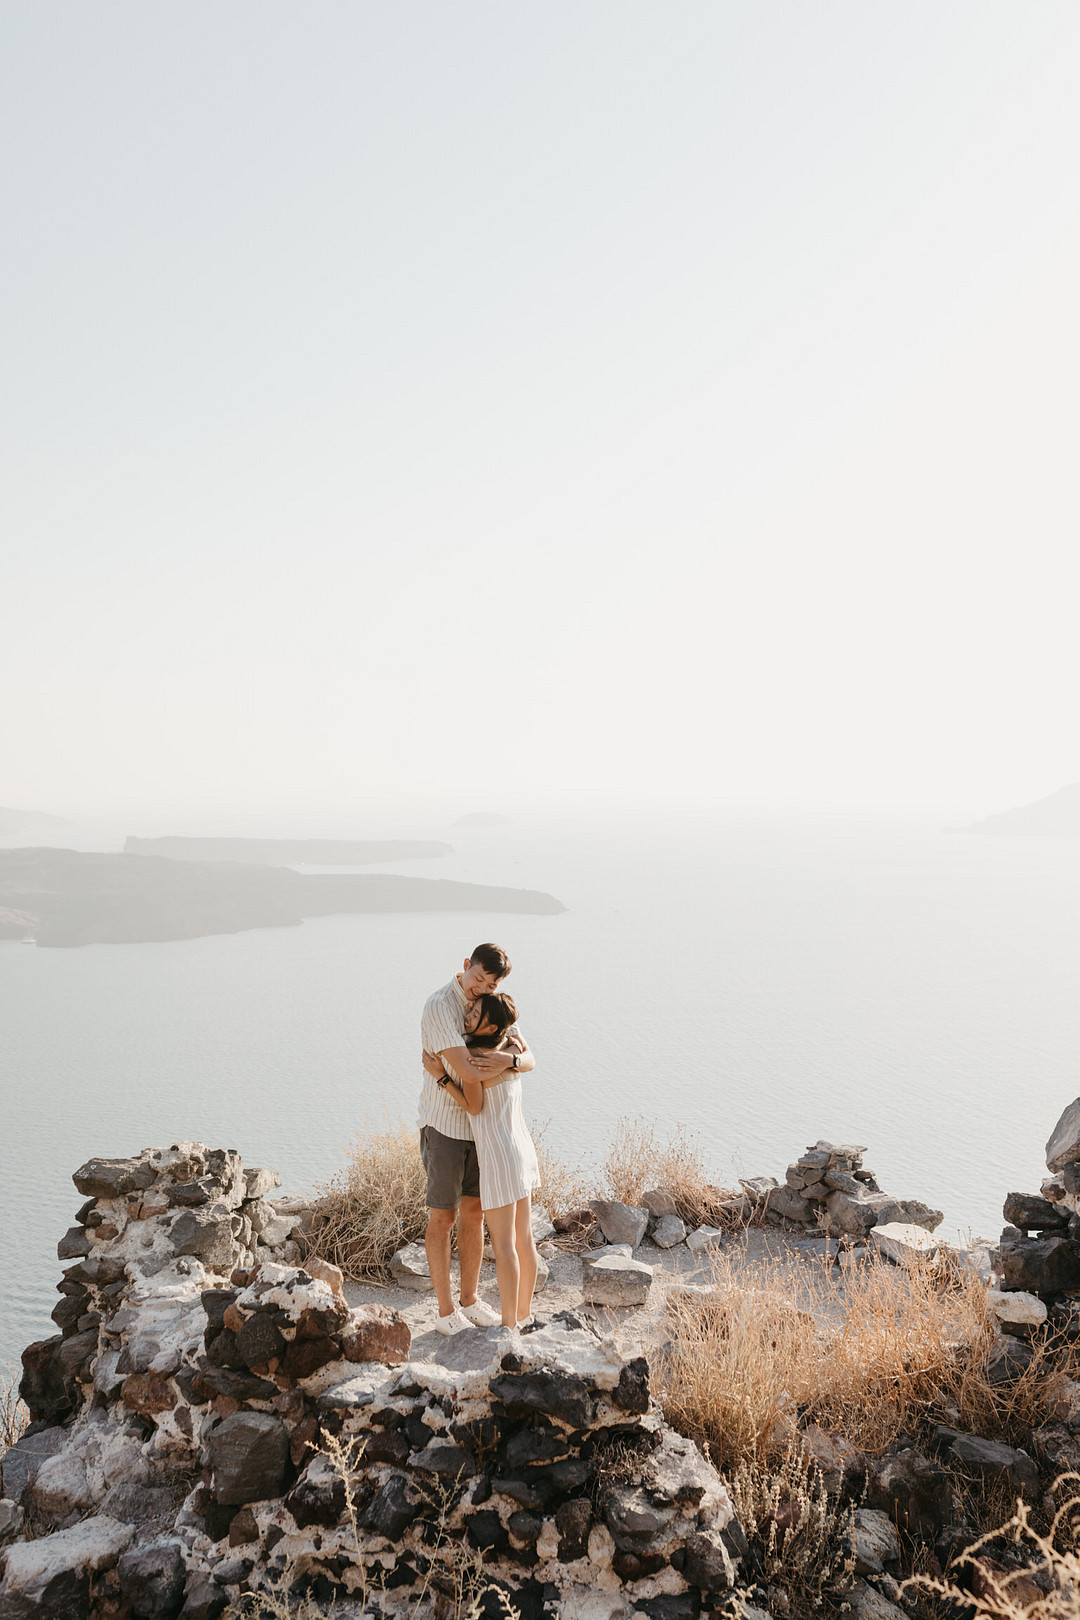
(213, 1419)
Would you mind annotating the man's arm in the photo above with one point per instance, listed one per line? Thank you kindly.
(496, 1062)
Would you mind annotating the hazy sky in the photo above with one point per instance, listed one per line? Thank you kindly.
(475, 403)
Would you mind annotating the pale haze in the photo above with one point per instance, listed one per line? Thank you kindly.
(462, 405)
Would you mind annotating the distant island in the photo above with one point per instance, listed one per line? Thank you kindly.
(13, 823)
(67, 897)
(286, 851)
(484, 818)
(1056, 816)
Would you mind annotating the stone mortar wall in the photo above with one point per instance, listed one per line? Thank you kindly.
(177, 1457)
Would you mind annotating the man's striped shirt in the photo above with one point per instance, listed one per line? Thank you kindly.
(443, 1025)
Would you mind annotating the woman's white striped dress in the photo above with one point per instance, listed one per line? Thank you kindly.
(504, 1148)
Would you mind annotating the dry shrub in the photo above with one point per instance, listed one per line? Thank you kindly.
(638, 1160)
(873, 1353)
(374, 1205)
(801, 1539)
(1039, 1580)
(13, 1414)
(564, 1186)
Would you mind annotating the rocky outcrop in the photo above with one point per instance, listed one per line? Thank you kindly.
(213, 1420)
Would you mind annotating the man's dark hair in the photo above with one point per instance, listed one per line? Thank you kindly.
(492, 959)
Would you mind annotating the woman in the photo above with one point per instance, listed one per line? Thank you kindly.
(509, 1173)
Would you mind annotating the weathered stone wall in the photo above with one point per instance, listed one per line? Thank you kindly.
(188, 1415)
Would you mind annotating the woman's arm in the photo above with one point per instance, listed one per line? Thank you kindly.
(470, 1096)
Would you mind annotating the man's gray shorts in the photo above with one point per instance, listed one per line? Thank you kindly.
(453, 1171)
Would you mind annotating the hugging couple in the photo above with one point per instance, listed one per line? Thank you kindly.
(477, 1151)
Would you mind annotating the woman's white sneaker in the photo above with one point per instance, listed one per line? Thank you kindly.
(479, 1314)
(456, 1322)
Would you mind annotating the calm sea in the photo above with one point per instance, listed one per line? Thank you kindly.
(764, 984)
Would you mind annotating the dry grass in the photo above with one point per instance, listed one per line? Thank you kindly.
(872, 1353)
(374, 1205)
(638, 1160)
(13, 1414)
(1015, 1572)
(564, 1185)
(800, 1539)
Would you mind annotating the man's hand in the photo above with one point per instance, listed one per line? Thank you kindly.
(490, 1062)
(434, 1067)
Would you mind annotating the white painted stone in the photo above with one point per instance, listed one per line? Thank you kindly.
(1025, 1310)
(905, 1244)
(93, 1544)
(61, 1487)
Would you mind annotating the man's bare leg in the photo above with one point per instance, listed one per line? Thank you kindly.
(437, 1247)
(470, 1242)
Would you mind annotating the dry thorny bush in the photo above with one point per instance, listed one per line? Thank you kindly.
(1040, 1581)
(374, 1205)
(13, 1414)
(800, 1537)
(638, 1160)
(873, 1353)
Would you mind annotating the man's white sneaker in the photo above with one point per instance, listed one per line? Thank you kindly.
(479, 1314)
(456, 1322)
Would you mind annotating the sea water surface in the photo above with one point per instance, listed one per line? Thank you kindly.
(764, 983)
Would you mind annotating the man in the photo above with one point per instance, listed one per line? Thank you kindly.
(446, 1140)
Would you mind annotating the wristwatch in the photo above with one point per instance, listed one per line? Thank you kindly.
(517, 1061)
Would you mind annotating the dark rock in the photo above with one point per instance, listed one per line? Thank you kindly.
(215, 1302)
(85, 1211)
(205, 1600)
(318, 1499)
(527, 1493)
(630, 1566)
(573, 1520)
(249, 1455)
(558, 1395)
(632, 1517)
(707, 1564)
(259, 1340)
(1045, 1265)
(1033, 1213)
(989, 1458)
(112, 1178)
(243, 1529)
(67, 1311)
(136, 1503)
(916, 1493)
(391, 1510)
(20, 1463)
(685, 1606)
(231, 1571)
(439, 1457)
(631, 1393)
(73, 1245)
(193, 1194)
(205, 1382)
(539, 1443)
(148, 1393)
(485, 1531)
(99, 1269)
(206, 1233)
(47, 1385)
(223, 1351)
(568, 1475)
(1057, 1448)
(152, 1578)
(525, 1526)
(387, 1446)
(306, 1356)
(1070, 1177)
(1008, 1360)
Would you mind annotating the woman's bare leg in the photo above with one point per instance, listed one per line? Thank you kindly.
(528, 1259)
(500, 1225)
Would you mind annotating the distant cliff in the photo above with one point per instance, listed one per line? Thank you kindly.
(286, 851)
(14, 823)
(65, 897)
(1056, 816)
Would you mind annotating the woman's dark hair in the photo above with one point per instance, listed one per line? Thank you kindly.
(499, 1010)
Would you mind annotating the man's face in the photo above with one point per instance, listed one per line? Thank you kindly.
(477, 981)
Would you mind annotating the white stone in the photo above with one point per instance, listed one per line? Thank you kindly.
(61, 1487)
(542, 1228)
(93, 1544)
(705, 1237)
(614, 1280)
(668, 1231)
(905, 1244)
(607, 1250)
(543, 1272)
(409, 1268)
(1025, 1310)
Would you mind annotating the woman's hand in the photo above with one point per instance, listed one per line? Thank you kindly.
(434, 1066)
